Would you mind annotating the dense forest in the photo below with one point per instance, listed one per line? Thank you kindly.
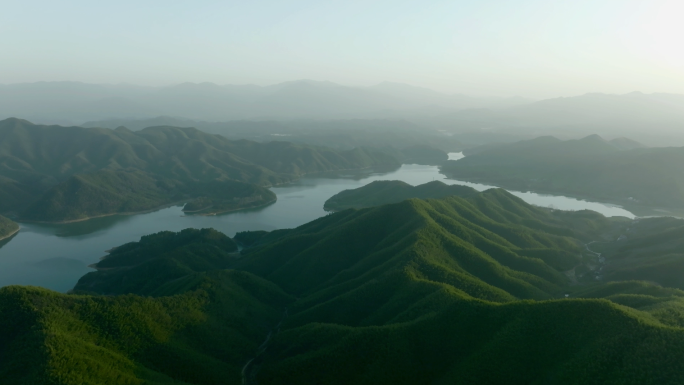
(55, 173)
(392, 191)
(617, 171)
(470, 289)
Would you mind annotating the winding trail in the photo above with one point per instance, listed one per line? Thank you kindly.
(586, 245)
(249, 374)
(571, 273)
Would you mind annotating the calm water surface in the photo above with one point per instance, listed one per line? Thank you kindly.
(55, 256)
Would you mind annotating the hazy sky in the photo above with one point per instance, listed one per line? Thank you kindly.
(534, 48)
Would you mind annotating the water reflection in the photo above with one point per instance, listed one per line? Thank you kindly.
(80, 228)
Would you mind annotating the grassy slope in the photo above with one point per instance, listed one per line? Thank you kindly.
(590, 167)
(383, 192)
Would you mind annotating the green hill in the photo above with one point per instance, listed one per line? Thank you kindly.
(454, 290)
(84, 196)
(638, 178)
(203, 335)
(7, 227)
(55, 173)
(384, 192)
(182, 318)
(143, 267)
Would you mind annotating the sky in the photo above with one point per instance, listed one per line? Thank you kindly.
(531, 48)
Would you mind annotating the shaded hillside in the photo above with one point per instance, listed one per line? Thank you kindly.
(84, 196)
(143, 267)
(7, 227)
(385, 191)
(652, 249)
(590, 167)
(54, 160)
(439, 291)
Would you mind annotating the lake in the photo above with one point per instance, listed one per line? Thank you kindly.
(56, 256)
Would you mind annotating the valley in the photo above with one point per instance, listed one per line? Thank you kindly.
(488, 262)
(56, 255)
(342, 193)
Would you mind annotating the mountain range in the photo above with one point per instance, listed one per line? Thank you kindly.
(385, 134)
(654, 119)
(618, 171)
(459, 289)
(56, 173)
(75, 103)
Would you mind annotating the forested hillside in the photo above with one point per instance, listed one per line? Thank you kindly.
(459, 289)
(392, 191)
(401, 136)
(637, 178)
(56, 173)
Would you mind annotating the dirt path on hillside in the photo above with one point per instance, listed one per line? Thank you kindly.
(249, 371)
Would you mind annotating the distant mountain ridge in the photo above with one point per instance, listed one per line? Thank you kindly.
(654, 119)
(619, 171)
(340, 134)
(75, 103)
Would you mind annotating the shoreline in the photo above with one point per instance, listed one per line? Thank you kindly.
(143, 212)
(636, 209)
(106, 215)
(11, 234)
(300, 176)
(186, 200)
(229, 211)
